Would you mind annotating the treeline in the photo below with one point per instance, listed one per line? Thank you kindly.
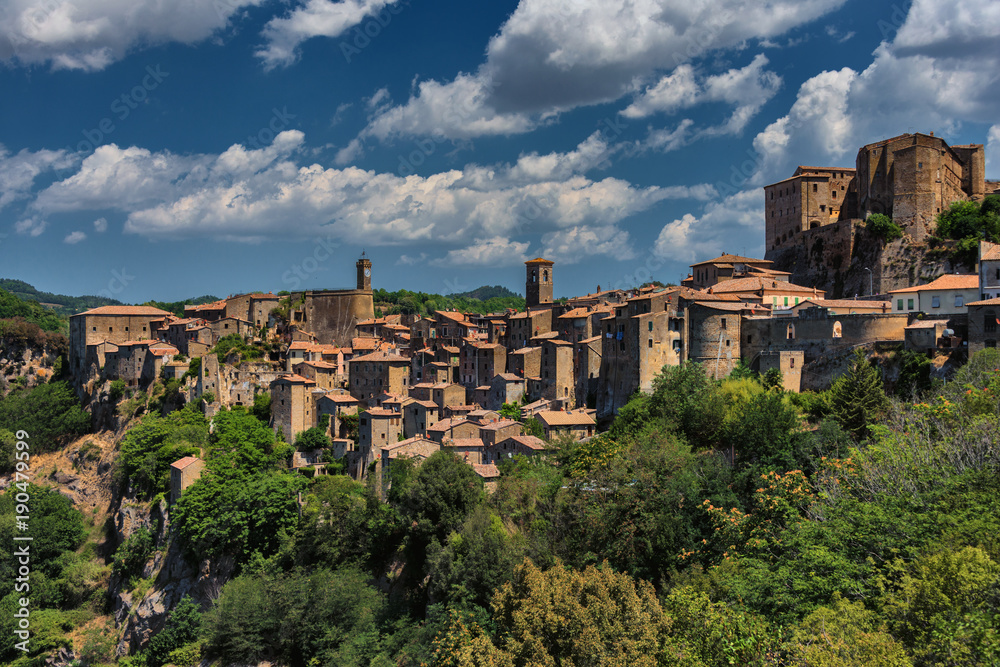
(66, 305)
(421, 303)
(39, 318)
(716, 523)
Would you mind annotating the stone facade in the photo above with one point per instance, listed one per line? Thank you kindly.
(183, 473)
(984, 324)
(291, 405)
(376, 429)
(107, 324)
(378, 372)
(813, 197)
(538, 282)
(789, 362)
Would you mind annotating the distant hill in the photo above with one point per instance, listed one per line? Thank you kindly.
(487, 292)
(59, 303)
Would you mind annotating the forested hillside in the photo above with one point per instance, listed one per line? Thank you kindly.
(716, 523)
(482, 300)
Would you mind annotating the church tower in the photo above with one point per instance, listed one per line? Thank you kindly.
(538, 283)
(364, 273)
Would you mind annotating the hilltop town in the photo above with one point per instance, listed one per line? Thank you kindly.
(398, 385)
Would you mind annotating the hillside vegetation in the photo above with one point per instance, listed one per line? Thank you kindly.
(716, 523)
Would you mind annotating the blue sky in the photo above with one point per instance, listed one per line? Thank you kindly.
(166, 150)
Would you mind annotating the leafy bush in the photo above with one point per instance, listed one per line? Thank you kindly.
(117, 390)
(132, 554)
(49, 413)
(181, 629)
(310, 439)
(882, 227)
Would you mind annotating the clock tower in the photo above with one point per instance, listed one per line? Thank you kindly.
(364, 273)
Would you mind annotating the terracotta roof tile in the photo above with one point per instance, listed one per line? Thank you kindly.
(138, 311)
(949, 281)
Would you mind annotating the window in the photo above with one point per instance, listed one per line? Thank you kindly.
(651, 325)
(834, 193)
(935, 302)
(749, 339)
(786, 300)
(650, 341)
(899, 304)
(959, 301)
(723, 324)
(814, 187)
(909, 304)
(838, 330)
(790, 332)
(989, 321)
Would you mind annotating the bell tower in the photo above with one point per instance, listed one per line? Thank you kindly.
(364, 273)
(538, 282)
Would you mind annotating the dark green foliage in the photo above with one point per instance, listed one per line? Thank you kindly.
(420, 303)
(444, 493)
(967, 222)
(182, 627)
(310, 439)
(116, 390)
(474, 561)
(297, 619)
(882, 227)
(262, 407)
(534, 427)
(67, 305)
(857, 397)
(12, 307)
(149, 447)
(240, 439)
(8, 449)
(55, 526)
(49, 413)
(230, 511)
(773, 379)
(349, 427)
(132, 554)
(914, 375)
(688, 399)
(741, 371)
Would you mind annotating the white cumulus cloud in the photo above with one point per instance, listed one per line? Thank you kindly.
(75, 237)
(323, 18)
(91, 34)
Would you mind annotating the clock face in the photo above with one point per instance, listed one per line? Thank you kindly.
(368, 273)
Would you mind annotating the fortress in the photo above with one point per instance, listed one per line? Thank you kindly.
(820, 210)
(332, 315)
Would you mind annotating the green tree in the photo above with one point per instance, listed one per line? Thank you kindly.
(297, 619)
(690, 400)
(310, 439)
(510, 411)
(595, 617)
(857, 397)
(442, 496)
(845, 635)
(182, 627)
(49, 413)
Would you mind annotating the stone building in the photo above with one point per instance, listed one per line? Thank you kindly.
(418, 416)
(525, 362)
(923, 335)
(508, 448)
(183, 473)
(453, 428)
(989, 270)
(579, 423)
(376, 429)
(378, 372)
(523, 326)
(587, 370)
(645, 334)
(332, 315)
(911, 178)
(557, 371)
(984, 321)
(538, 282)
(291, 405)
(714, 335)
(332, 407)
(730, 267)
(107, 324)
(481, 362)
(789, 363)
(944, 296)
(138, 362)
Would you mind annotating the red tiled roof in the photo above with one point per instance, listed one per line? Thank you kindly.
(180, 464)
(539, 260)
(755, 283)
(138, 311)
(730, 259)
(567, 418)
(948, 281)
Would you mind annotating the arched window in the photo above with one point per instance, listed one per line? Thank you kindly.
(545, 276)
(813, 225)
(838, 331)
(790, 332)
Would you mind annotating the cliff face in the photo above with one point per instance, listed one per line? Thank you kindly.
(837, 258)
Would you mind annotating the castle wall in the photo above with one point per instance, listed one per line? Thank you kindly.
(815, 332)
(333, 315)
